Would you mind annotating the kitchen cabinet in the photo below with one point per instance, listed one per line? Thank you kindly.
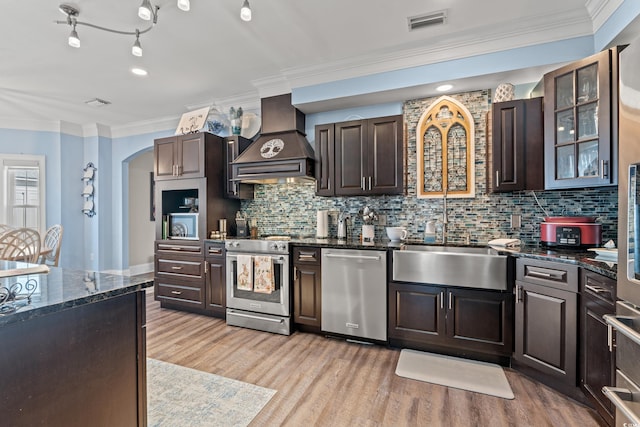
(181, 156)
(597, 358)
(234, 146)
(459, 321)
(307, 292)
(179, 274)
(360, 157)
(516, 160)
(580, 116)
(546, 322)
(215, 279)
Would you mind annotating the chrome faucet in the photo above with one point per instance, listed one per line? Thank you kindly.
(445, 218)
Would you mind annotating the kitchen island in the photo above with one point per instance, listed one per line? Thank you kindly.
(74, 354)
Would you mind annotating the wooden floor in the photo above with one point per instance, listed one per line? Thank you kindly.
(327, 382)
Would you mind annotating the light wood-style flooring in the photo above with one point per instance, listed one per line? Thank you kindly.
(327, 382)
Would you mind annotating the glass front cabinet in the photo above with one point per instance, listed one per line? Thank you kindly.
(580, 118)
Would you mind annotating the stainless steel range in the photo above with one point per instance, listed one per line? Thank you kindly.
(258, 291)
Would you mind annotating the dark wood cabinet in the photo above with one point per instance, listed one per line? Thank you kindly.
(179, 274)
(459, 321)
(234, 146)
(516, 160)
(546, 322)
(307, 297)
(215, 279)
(580, 115)
(597, 357)
(360, 157)
(181, 156)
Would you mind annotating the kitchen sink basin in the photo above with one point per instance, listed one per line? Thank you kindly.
(463, 266)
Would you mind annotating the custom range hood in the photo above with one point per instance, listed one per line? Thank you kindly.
(281, 153)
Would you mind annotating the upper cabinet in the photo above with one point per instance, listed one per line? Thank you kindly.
(234, 146)
(360, 157)
(516, 150)
(181, 156)
(580, 115)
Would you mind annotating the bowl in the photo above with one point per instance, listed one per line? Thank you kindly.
(396, 234)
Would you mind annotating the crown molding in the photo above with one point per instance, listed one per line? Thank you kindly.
(539, 29)
(601, 10)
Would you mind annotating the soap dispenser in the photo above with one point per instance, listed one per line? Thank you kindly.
(430, 231)
(343, 220)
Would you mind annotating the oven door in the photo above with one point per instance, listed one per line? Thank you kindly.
(276, 302)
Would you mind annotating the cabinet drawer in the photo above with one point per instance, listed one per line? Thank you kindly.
(213, 249)
(553, 274)
(306, 256)
(179, 293)
(599, 288)
(179, 248)
(180, 267)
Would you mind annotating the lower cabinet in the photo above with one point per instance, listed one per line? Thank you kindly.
(307, 297)
(215, 279)
(179, 274)
(546, 323)
(597, 360)
(460, 321)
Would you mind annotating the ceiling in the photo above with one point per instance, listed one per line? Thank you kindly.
(208, 56)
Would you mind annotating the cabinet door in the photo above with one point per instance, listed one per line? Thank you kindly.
(234, 146)
(481, 320)
(416, 312)
(165, 158)
(385, 159)
(517, 146)
(580, 107)
(307, 297)
(350, 157)
(546, 330)
(325, 170)
(215, 289)
(191, 155)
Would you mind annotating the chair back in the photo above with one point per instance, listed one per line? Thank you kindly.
(52, 240)
(20, 244)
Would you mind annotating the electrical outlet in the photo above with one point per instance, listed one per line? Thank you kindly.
(333, 215)
(515, 221)
(382, 220)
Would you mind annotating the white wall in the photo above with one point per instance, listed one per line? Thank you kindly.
(141, 228)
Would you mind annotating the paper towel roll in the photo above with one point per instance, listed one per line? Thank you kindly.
(322, 224)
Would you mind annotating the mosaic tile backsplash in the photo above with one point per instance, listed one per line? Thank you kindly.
(291, 208)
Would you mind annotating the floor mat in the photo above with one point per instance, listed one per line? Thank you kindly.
(470, 375)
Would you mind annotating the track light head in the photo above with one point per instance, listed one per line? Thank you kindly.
(184, 5)
(74, 40)
(145, 11)
(136, 49)
(245, 11)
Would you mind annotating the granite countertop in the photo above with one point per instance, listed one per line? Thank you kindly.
(61, 289)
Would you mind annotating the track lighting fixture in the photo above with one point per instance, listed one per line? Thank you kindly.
(146, 11)
(184, 5)
(245, 12)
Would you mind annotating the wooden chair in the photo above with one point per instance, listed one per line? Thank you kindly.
(52, 240)
(20, 244)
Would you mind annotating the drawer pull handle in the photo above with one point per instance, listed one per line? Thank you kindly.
(304, 256)
(619, 397)
(176, 292)
(176, 267)
(215, 251)
(596, 289)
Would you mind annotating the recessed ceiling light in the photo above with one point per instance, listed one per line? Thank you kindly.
(444, 88)
(139, 71)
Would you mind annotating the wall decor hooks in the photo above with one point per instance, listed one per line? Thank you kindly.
(88, 207)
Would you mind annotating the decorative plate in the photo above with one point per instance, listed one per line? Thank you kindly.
(251, 123)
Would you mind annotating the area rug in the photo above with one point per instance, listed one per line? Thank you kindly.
(179, 396)
(470, 375)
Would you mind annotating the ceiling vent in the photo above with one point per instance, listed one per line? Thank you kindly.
(97, 102)
(428, 20)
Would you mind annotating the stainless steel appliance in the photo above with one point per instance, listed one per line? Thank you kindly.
(626, 393)
(354, 293)
(267, 308)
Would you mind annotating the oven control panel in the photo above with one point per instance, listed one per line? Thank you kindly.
(257, 246)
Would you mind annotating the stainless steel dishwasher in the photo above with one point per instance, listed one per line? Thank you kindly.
(354, 293)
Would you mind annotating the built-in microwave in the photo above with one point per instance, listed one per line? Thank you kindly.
(183, 226)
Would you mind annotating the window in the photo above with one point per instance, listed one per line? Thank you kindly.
(23, 191)
(445, 145)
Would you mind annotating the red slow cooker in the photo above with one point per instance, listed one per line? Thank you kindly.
(571, 231)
